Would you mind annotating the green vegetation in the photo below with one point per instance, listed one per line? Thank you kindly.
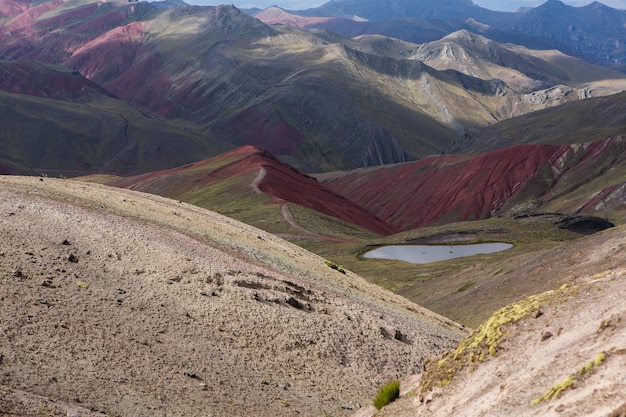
(554, 392)
(334, 266)
(387, 394)
(484, 342)
(498, 278)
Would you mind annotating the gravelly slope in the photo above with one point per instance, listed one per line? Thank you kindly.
(131, 304)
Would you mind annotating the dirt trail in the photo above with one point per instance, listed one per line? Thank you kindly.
(257, 180)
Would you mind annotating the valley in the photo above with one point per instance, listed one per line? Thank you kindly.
(187, 192)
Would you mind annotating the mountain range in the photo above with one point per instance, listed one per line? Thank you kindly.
(318, 100)
(231, 168)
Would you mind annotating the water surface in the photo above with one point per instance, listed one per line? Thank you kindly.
(423, 254)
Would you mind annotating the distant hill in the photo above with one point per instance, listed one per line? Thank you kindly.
(514, 180)
(253, 186)
(245, 172)
(56, 122)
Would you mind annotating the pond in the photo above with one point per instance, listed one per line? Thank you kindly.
(423, 254)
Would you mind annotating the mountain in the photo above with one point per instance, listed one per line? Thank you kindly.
(57, 122)
(515, 180)
(522, 70)
(119, 302)
(410, 29)
(245, 173)
(580, 121)
(317, 100)
(451, 10)
(592, 32)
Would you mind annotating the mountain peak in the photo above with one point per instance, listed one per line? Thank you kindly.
(552, 4)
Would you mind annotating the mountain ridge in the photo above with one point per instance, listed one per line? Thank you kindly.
(281, 182)
(246, 81)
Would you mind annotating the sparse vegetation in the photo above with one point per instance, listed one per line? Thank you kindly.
(554, 392)
(484, 342)
(334, 266)
(387, 394)
(466, 286)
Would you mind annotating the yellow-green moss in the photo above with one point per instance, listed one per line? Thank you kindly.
(600, 357)
(483, 342)
(554, 392)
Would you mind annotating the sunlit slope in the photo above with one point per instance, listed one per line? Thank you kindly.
(223, 316)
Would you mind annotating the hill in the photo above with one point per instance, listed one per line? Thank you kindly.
(514, 180)
(255, 181)
(546, 194)
(57, 122)
(548, 354)
(125, 303)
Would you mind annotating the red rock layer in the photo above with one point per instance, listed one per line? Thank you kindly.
(281, 182)
(444, 189)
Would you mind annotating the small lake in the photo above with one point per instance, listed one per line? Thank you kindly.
(423, 254)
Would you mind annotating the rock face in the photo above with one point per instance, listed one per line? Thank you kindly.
(445, 189)
(155, 307)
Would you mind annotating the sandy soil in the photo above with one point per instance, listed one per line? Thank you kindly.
(120, 303)
(586, 319)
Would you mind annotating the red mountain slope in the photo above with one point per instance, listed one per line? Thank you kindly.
(10, 8)
(445, 189)
(278, 180)
(34, 79)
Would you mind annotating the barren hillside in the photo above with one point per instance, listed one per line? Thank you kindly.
(559, 353)
(120, 303)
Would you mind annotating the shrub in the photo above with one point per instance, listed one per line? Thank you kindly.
(387, 394)
(334, 266)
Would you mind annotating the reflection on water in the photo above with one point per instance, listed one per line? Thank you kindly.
(423, 254)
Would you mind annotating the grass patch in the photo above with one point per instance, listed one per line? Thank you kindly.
(334, 266)
(387, 394)
(554, 392)
(484, 342)
(466, 286)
